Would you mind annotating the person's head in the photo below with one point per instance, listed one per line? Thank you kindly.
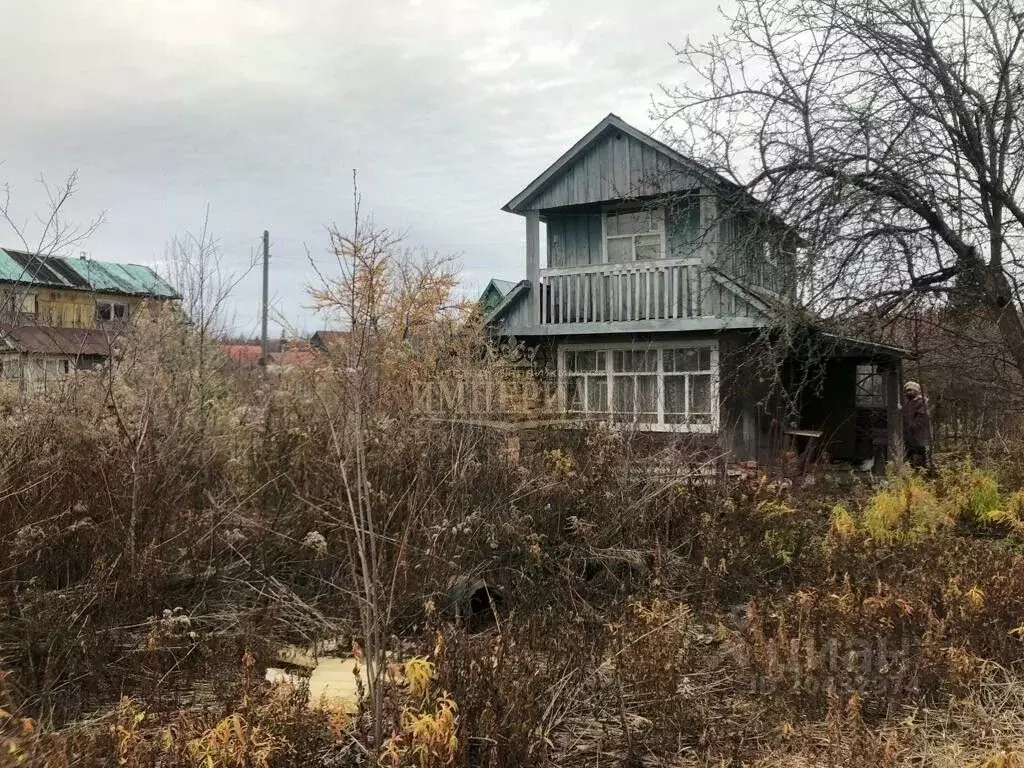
(912, 390)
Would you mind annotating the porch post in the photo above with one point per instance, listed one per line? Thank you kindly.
(533, 263)
(893, 374)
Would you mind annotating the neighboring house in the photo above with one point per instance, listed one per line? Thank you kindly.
(60, 314)
(660, 278)
(495, 293)
(248, 358)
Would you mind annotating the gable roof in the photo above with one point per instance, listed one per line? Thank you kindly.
(508, 300)
(612, 122)
(502, 286)
(500, 289)
(82, 274)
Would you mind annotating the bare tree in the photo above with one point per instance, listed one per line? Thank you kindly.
(52, 234)
(401, 319)
(889, 132)
(194, 266)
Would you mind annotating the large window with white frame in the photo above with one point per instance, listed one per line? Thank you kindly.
(634, 235)
(670, 386)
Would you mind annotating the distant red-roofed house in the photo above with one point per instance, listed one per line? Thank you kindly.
(244, 356)
(241, 358)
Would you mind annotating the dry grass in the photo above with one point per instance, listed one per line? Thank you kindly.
(165, 532)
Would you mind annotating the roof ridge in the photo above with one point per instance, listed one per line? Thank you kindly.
(38, 255)
(97, 275)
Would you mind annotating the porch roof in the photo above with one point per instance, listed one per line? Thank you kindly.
(849, 346)
(65, 342)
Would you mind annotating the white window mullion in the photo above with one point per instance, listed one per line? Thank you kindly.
(563, 380)
(661, 386)
(714, 389)
(609, 394)
(686, 401)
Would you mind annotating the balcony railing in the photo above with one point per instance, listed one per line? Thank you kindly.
(666, 289)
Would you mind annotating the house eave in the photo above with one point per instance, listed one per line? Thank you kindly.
(679, 325)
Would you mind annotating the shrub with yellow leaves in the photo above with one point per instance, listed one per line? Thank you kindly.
(419, 673)
(428, 739)
(235, 743)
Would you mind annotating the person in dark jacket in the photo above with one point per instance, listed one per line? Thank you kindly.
(917, 427)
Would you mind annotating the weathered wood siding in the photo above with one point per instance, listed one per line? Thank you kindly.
(65, 308)
(516, 318)
(615, 167)
(755, 254)
(751, 419)
(576, 239)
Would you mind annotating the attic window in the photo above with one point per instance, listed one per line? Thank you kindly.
(634, 235)
(111, 311)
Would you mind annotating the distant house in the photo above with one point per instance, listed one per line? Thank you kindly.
(248, 358)
(495, 293)
(660, 277)
(60, 314)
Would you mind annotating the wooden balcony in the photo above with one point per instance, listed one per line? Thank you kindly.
(657, 290)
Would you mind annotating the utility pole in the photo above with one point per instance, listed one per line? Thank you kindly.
(266, 293)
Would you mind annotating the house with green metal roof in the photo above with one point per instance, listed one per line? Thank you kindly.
(495, 293)
(59, 314)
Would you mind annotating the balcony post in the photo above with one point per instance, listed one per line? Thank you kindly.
(533, 263)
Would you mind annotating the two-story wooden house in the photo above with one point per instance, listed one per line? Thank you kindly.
(60, 314)
(659, 279)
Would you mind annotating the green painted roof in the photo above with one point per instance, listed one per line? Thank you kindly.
(82, 274)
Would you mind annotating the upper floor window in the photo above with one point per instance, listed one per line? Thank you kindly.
(634, 235)
(29, 304)
(107, 311)
(16, 303)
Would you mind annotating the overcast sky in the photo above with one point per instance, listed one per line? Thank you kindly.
(262, 108)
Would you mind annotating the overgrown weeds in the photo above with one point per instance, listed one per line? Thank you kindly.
(163, 538)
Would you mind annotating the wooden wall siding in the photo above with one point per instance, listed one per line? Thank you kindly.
(750, 417)
(615, 167)
(741, 256)
(70, 309)
(652, 290)
(517, 316)
(683, 235)
(575, 240)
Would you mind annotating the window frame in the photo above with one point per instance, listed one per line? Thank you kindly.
(113, 318)
(610, 416)
(658, 212)
(25, 298)
(866, 395)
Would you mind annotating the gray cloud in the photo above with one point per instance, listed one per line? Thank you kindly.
(261, 109)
